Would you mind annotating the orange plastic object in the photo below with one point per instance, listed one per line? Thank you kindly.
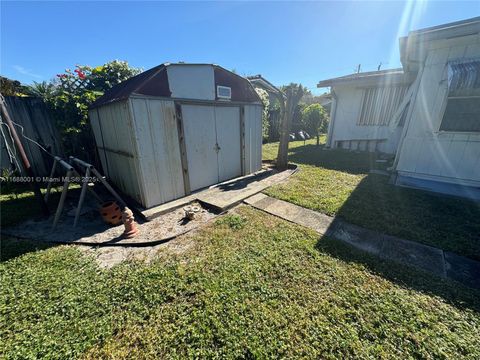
(111, 213)
(129, 222)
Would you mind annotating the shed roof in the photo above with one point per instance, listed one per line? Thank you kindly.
(390, 75)
(155, 82)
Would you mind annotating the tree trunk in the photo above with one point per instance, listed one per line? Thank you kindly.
(282, 156)
(287, 107)
(318, 139)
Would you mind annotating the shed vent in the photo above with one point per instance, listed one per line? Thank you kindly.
(224, 92)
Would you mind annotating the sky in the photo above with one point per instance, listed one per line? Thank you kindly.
(301, 42)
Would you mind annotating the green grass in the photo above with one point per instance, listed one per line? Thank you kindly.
(21, 205)
(338, 183)
(250, 286)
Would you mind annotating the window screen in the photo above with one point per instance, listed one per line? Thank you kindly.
(462, 112)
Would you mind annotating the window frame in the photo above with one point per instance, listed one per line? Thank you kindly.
(445, 103)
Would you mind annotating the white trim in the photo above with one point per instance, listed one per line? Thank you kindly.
(439, 178)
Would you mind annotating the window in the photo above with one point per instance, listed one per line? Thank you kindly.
(224, 92)
(379, 104)
(462, 112)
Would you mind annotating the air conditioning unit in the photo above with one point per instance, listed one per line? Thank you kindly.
(224, 92)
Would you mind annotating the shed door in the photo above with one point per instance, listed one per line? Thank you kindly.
(200, 141)
(228, 139)
(212, 141)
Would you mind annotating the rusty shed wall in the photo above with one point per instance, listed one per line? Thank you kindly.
(158, 149)
(113, 129)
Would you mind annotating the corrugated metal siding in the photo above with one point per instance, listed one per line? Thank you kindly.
(253, 138)
(158, 147)
(379, 104)
(112, 128)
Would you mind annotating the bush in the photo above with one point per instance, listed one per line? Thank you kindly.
(70, 95)
(265, 114)
(315, 120)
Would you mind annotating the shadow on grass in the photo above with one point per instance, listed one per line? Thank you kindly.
(13, 247)
(341, 160)
(444, 222)
(409, 277)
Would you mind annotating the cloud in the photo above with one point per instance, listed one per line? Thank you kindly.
(27, 72)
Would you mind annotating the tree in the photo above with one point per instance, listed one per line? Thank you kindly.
(70, 95)
(44, 90)
(11, 87)
(266, 106)
(314, 119)
(288, 100)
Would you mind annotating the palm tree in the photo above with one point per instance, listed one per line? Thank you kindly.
(44, 90)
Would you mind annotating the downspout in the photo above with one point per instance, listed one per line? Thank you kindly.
(333, 113)
(408, 119)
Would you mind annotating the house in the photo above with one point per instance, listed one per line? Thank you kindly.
(427, 113)
(363, 105)
(177, 128)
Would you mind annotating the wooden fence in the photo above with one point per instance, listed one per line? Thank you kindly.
(32, 115)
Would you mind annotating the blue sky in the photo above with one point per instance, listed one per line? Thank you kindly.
(284, 41)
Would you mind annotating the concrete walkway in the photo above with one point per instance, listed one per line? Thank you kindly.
(441, 263)
(225, 195)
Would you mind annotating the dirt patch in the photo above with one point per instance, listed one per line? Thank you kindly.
(92, 230)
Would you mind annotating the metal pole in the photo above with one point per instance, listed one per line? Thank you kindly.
(23, 155)
(49, 185)
(82, 196)
(109, 188)
(62, 199)
(100, 177)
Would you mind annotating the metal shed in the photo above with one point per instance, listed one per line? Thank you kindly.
(177, 128)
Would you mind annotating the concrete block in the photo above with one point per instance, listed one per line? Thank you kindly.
(462, 269)
(358, 237)
(412, 253)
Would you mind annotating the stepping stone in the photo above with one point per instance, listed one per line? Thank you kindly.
(462, 269)
(260, 201)
(412, 253)
(358, 237)
(314, 220)
(284, 210)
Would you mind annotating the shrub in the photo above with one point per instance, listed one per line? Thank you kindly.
(71, 93)
(315, 120)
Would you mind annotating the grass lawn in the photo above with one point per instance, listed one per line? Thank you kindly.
(338, 183)
(21, 205)
(249, 286)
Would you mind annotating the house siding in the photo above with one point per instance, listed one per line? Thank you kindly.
(426, 151)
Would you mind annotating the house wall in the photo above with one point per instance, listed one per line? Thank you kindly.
(426, 152)
(347, 134)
